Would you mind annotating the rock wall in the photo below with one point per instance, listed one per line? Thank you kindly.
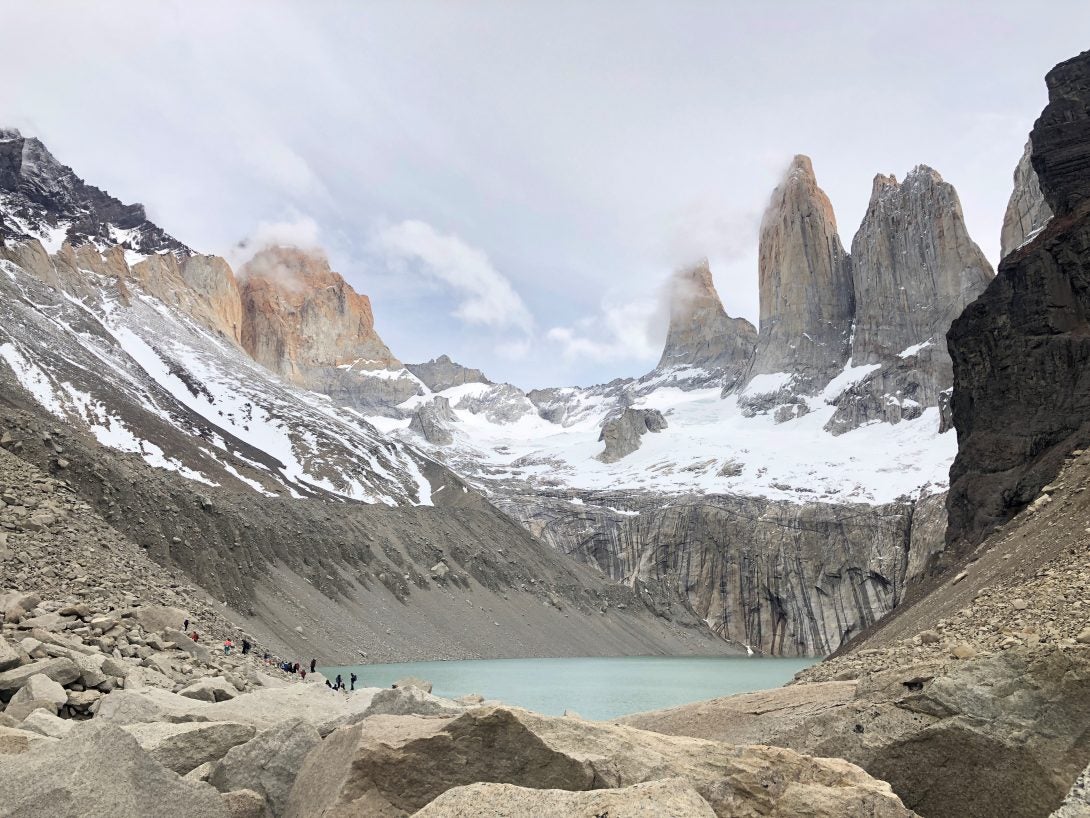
(807, 301)
(914, 267)
(622, 434)
(1027, 211)
(701, 334)
(784, 578)
(443, 373)
(1021, 352)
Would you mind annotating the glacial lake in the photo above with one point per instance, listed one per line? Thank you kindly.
(595, 688)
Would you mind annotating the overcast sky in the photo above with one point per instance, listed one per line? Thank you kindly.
(511, 182)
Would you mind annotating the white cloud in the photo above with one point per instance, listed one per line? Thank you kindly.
(302, 232)
(486, 296)
(632, 330)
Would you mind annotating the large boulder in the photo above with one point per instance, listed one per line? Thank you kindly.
(1013, 724)
(183, 747)
(99, 771)
(212, 689)
(60, 670)
(395, 765)
(148, 704)
(268, 763)
(39, 691)
(670, 798)
(45, 723)
(9, 656)
(411, 701)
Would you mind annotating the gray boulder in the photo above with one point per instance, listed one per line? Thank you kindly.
(213, 689)
(99, 771)
(184, 747)
(61, 670)
(395, 765)
(45, 723)
(268, 763)
(39, 691)
(405, 701)
(9, 656)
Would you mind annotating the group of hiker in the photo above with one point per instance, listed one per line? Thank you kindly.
(288, 667)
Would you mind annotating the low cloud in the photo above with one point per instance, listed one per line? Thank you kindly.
(632, 330)
(486, 296)
(302, 232)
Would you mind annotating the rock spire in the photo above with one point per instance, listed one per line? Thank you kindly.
(701, 334)
(914, 267)
(807, 300)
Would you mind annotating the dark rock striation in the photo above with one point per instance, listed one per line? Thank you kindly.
(1021, 352)
(783, 578)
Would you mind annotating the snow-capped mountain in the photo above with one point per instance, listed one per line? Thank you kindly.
(750, 470)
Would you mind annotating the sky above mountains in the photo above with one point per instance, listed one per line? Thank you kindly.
(512, 183)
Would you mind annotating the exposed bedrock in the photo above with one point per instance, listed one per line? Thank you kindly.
(701, 334)
(622, 434)
(914, 266)
(1027, 211)
(1021, 352)
(807, 301)
(432, 421)
(784, 578)
(443, 373)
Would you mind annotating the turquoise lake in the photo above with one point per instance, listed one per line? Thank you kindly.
(598, 688)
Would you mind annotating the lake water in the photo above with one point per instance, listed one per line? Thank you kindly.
(598, 688)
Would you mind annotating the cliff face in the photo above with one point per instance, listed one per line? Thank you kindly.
(701, 334)
(787, 579)
(52, 201)
(1027, 210)
(914, 266)
(1021, 352)
(807, 300)
(300, 316)
(443, 373)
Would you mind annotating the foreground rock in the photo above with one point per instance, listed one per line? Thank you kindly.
(672, 798)
(1012, 724)
(395, 765)
(267, 764)
(99, 771)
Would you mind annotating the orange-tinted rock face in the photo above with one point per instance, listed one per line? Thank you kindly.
(299, 316)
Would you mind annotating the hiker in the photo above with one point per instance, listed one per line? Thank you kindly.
(185, 626)
(194, 636)
(313, 662)
(328, 684)
(352, 680)
(227, 645)
(245, 647)
(303, 673)
(340, 683)
(267, 660)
